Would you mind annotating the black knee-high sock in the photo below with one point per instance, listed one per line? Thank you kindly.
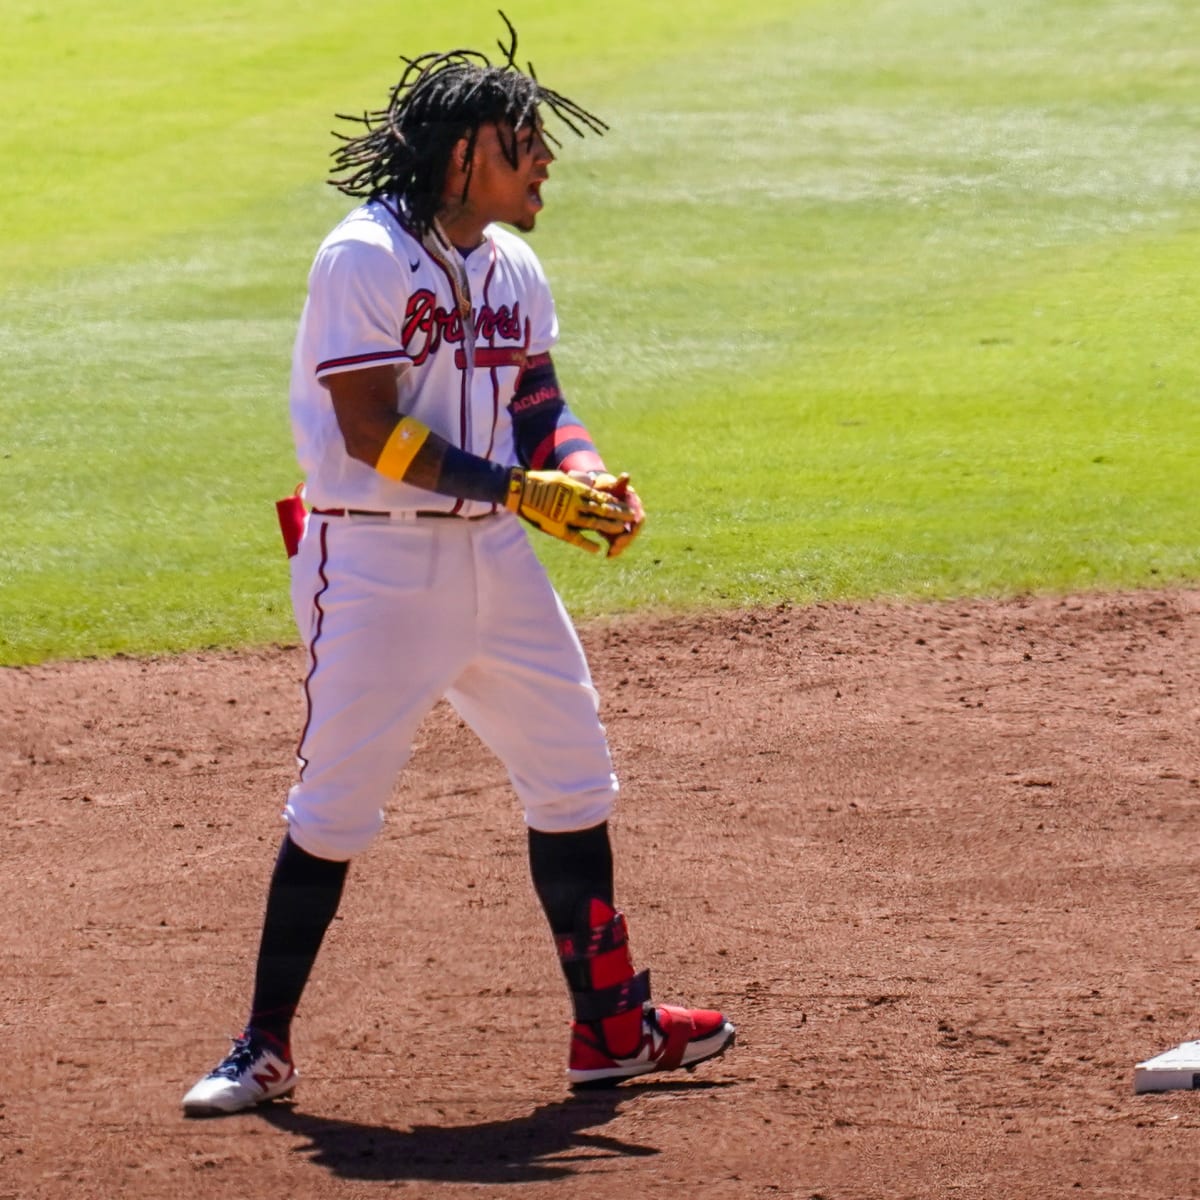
(301, 902)
(569, 868)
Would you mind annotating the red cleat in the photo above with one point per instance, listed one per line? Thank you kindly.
(671, 1038)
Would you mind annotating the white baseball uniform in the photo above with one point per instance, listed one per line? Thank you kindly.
(403, 596)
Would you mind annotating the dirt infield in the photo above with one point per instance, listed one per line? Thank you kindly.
(938, 864)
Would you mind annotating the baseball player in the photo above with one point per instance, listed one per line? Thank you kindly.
(428, 421)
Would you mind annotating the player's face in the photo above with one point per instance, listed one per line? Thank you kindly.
(500, 192)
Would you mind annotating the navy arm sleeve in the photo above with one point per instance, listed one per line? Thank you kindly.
(548, 435)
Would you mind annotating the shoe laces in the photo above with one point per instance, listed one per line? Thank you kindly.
(241, 1057)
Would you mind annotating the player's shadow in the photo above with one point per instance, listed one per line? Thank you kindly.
(549, 1143)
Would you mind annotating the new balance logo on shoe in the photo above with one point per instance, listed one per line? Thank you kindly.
(269, 1075)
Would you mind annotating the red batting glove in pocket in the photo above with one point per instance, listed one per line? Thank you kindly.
(292, 515)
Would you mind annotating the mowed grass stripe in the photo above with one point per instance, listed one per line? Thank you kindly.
(136, 122)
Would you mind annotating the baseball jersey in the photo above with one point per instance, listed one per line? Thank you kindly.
(376, 295)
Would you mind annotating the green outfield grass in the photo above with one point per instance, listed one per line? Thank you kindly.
(873, 298)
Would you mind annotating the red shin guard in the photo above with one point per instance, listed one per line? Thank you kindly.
(607, 994)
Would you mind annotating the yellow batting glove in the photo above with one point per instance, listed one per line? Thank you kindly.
(566, 507)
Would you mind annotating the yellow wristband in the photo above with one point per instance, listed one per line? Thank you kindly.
(401, 448)
(516, 489)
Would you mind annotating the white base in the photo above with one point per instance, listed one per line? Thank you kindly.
(1173, 1070)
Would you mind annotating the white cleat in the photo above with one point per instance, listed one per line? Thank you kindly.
(250, 1074)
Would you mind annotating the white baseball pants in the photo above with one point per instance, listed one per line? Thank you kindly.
(397, 613)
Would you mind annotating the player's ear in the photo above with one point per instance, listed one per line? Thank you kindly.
(458, 156)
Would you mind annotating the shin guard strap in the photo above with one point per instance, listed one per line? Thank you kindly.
(612, 1001)
(579, 947)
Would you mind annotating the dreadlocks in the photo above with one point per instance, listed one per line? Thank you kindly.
(440, 99)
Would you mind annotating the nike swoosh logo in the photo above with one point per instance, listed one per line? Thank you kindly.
(413, 266)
